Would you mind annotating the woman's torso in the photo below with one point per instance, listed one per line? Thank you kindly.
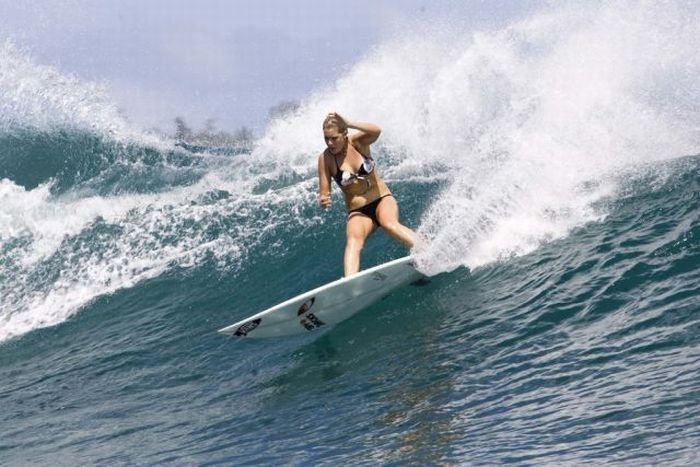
(361, 191)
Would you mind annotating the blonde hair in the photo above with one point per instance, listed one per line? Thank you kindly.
(335, 122)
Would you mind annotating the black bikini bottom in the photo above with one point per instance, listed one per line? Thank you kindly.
(370, 210)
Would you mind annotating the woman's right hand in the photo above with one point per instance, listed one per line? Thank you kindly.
(325, 201)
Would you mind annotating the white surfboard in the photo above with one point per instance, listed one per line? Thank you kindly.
(329, 304)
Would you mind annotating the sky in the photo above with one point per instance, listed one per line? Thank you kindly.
(230, 61)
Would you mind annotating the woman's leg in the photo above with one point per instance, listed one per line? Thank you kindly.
(358, 229)
(388, 217)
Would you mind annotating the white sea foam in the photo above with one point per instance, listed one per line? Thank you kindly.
(60, 252)
(528, 123)
(40, 97)
(50, 273)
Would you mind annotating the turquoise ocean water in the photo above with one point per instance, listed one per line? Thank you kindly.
(553, 171)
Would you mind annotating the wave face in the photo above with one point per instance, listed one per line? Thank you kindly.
(551, 169)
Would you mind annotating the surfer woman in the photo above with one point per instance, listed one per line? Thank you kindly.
(369, 202)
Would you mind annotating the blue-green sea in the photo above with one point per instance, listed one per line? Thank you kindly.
(552, 174)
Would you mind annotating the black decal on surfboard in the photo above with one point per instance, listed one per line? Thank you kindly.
(311, 322)
(316, 322)
(378, 276)
(245, 328)
(306, 306)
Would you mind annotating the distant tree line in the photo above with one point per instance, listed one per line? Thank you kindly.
(241, 138)
(210, 136)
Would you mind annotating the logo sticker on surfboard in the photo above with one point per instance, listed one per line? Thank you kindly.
(245, 328)
(309, 320)
(306, 306)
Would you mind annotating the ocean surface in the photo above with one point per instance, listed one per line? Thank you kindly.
(552, 168)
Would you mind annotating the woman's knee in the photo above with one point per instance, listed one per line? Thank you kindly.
(358, 228)
(392, 228)
(355, 239)
(355, 242)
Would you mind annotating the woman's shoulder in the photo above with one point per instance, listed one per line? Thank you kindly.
(324, 160)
